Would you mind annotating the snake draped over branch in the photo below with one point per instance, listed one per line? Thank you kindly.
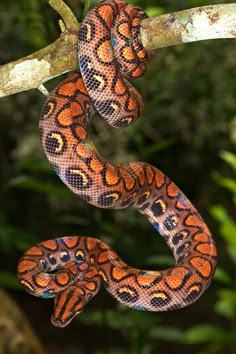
(72, 269)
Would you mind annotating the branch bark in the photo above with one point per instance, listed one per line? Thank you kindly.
(200, 23)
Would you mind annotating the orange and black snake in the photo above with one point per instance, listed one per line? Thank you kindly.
(72, 269)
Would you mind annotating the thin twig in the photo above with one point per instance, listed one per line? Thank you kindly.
(66, 14)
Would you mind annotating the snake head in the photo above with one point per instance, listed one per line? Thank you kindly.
(67, 305)
(72, 301)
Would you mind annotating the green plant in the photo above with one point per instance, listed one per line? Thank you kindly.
(215, 337)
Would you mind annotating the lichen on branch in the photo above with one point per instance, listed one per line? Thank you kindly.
(199, 23)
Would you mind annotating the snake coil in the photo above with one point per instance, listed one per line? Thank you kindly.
(72, 269)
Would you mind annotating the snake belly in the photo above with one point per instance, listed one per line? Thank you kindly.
(72, 269)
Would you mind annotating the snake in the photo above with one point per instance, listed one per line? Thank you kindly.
(72, 269)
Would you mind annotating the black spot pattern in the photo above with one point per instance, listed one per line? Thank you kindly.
(157, 208)
(87, 31)
(160, 298)
(77, 178)
(127, 294)
(170, 222)
(107, 107)
(55, 143)
(106, 199)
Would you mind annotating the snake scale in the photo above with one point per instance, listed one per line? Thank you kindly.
(72, 269)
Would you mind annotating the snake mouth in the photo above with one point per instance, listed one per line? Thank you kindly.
(57, 322)
(67, 305)
(61, 323)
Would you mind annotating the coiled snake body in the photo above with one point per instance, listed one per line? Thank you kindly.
(72, 269)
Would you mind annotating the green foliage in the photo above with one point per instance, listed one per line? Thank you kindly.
(227, 228)
(225, 306)
(14, 238)
(10, 281)
(204, 333)
(33, 184)
(87, 5)
(152, 11)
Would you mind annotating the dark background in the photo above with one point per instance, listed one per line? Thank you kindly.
(188, 130)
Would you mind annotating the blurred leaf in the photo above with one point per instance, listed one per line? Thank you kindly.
(122, 318)
(152, 11)
(227, 225)
(232, 254)
(87, 6)
(112, 351)
(153, 149)
(15, 238)
(35, 166)
(226, 305)
(9, 280)
(33, 184)
(111, 230)
(92, 317)
(230, 158)
(128, 319)
(225, 182)
(222, 276)
(204, 333)
(160, 260)
(169, 334)
(73, 220)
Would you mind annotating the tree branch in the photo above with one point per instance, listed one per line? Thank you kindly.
(66, 14)
(202, 23)
(199, 23)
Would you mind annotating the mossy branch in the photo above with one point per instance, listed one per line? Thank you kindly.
(200, 23)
